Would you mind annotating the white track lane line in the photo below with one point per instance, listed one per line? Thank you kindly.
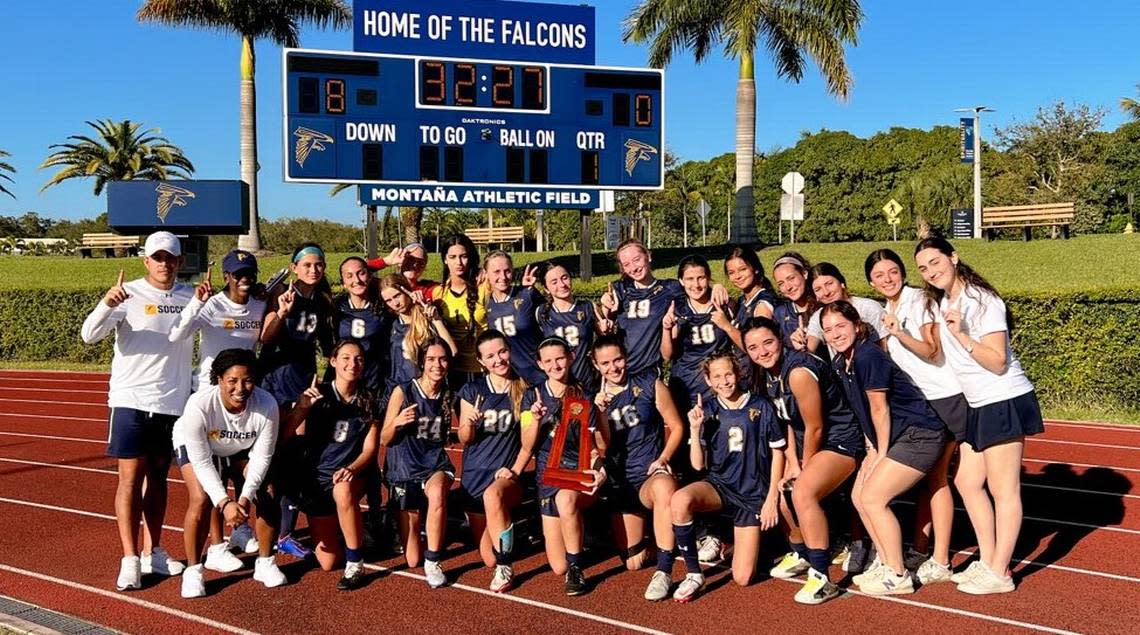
(64, 466)
(1081, 443)
(85, 404)
(67, 390)
(405, 574)
(121, 597)
(53, 438)
(1054, 521)
(1122, 427)
(1078, 490)
(20, 415)
(1088, 465)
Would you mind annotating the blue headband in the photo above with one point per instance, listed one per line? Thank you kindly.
(311, 250)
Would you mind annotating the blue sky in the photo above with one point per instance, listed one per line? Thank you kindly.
(67, 61)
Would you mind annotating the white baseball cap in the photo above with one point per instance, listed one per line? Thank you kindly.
(162, 241)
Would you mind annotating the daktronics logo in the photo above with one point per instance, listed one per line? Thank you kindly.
(159, 309)
(241, 325)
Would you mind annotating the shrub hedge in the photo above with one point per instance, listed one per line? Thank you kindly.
(1080, 349)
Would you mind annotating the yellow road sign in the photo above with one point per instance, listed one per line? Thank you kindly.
(893, 209)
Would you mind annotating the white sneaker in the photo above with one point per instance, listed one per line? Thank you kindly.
(659, 586)
(266, 572)
(689, 587)
(710, 550)
(871, 572)
(968, 573)
(501, 581)
(932, 571)
(244, 539)
(790, 566)
(887, 582)
(986, 582)
(219, 558)
(817, 590)
(433, 571)
(130, 574)
(159, 561)
(194, 582)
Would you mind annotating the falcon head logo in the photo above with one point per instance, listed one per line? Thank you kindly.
(170, 196)
(518, 302)
(636, 152)
(753, 414)
(307, 141)
(215, 435)
(581, 316)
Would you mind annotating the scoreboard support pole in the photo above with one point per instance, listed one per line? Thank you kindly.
(370, 235)
(586, 261)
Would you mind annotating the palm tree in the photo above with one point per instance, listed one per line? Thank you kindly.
(120, 151)
(788, 29)
(6, 167)
(277, 20)
(1131, 107)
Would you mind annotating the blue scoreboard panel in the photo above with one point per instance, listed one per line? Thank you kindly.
(390, 119)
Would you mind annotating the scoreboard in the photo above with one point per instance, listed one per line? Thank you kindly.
(397, 119)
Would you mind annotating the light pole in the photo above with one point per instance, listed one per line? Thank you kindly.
(977, 110)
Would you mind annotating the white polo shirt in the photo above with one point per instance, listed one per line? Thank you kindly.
(223, 324)
(936, 380)
(148, 372)
(982, 313)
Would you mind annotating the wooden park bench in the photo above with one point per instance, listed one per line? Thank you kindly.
(108, 243)
(1027, 217)
(495, 235)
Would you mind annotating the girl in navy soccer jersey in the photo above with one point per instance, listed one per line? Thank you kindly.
(645, 432)
(413, 326)
(743, 269)
(419, 472)
(489, 425)
(828, 445)
(562, 522)
(692, 329)
(512, 310)
(360, 315)
(576, 321)
(740, 444)
(904, 439)
(335, 429)
(792, 273)
(974, 329)
(914, 344)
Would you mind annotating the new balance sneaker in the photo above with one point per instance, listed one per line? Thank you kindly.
(887, 582)
(501, 581)
(817, 590)
(160, 562)
(290, 546)
(689, 587)
(871, 571)
(219, 558)
(986, 582)
(194, 582)
(790, 566)
(433, 571)
(659, 586)
(968, 573)
(353, 577)
(710, 550)
(244, 539)
(858, 555)
(130, 574)
(914, 558)
(266, 572)
(575, 580)
(933, 571)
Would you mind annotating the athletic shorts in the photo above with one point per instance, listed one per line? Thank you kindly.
(745, 512)
(853, 450)
(135, 433)
(468, 502)
(623, 491)
(989, 425)
(227, 466)
(953, 412)
(409, 496)
(918, 447)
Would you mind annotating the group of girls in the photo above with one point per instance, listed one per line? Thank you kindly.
(790, 395)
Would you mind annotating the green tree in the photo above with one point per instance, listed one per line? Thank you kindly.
(120, 151)
(790, 30)
(6, 167)
(1131, 107)
(277, 20)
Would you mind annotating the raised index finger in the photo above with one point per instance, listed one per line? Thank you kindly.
(314, 385)
(119, 282)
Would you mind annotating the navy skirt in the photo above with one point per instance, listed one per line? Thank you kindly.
(989, 425)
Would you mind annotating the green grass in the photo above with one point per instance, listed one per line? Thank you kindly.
(1080, 264)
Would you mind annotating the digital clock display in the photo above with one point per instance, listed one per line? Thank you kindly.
(469, 85)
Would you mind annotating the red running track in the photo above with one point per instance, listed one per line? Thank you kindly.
(58, 549)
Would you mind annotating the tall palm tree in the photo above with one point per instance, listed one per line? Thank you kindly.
(788, 29)
(6, 167)
(120, 151)
(277, 20)
(1131, 107)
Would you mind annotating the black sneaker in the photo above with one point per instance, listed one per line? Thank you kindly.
(858, 555)
(353, 577)
(575, 581)
(913, 559)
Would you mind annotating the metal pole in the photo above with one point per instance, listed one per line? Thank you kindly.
(605, 229)
(977, 173)
(539, 231)
(685, 225)
(792, 223)
(585, 262)
(370, 236)
(704, 237)
(437, 231)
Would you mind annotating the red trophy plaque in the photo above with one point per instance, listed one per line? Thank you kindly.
(567, 469)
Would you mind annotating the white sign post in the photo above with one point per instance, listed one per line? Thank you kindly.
(605, 206)
(792, 200)
(703, 210)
